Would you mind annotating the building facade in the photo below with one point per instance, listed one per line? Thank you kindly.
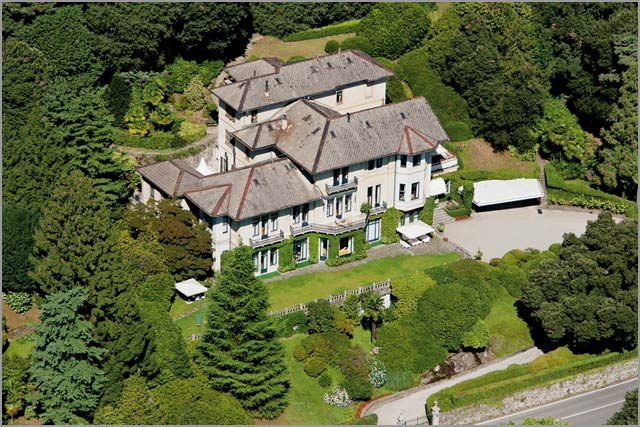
(305, 171)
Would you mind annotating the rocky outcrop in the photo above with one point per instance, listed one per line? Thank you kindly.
(456, 363)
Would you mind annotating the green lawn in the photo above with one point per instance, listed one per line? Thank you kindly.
(306, 404)
(180, 307)
(21, 347)
(309, 287)
(509, 333)
(188, 324)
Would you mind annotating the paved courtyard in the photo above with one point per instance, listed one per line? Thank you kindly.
(497, 232)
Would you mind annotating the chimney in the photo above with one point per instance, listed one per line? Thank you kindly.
(266, 89)
(348, 117)
(283, 121)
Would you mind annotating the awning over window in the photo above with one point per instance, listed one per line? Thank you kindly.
(414, 229)
(438, 186)
(494, 192)
(190, 287)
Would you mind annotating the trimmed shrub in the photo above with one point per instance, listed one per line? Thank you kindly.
(300, 353)
(314, 367)
(357, 386)
(331, 348)
(359, 43)
(511, 277)
(320, 315)
(325, 380)
(426, 214)
(294, 323)
(395, 90)
(332, 46)
(192, 132)
(329, 30)
(407, 290)
(194, 94)
(477, 338)
(18, 301)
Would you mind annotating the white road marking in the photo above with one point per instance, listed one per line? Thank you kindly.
(558, 401)
(591, 410)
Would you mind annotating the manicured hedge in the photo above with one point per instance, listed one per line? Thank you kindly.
(329, 30)
(497, 385)
(359, 43)
(314, 367)
(450, 108)
(153, 141)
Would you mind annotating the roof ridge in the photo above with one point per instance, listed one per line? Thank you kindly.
(178, 181)
(244, 93)
(321, 147)
(245, 191)
(423, 135)
(223, 198)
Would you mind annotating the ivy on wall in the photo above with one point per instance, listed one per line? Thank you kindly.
(426, 214)
(390, 219)
(359, 248)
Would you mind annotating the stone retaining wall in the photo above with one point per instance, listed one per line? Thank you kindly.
(542, 395)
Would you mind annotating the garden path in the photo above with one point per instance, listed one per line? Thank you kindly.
(412, 401)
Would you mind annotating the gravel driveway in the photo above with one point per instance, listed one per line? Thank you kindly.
(497, 232)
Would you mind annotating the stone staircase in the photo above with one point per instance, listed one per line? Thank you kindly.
(440, 216)
(543, 181)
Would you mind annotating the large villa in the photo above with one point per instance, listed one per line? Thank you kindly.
(308, 155)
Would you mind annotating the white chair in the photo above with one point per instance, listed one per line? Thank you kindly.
(404, 244)
(426, 239)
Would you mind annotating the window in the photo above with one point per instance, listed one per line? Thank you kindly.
(255, 262)
(378, 195)
(347, 203)
(339, 97)
(329, 207)
(401, 195)
(263, 261)
(339, 207)
(273, 257)
(379, 162)
(256, 227)
(152, 193)
(254, 116)
(416, 215)
(225, 224)
(224, 163)
(300, 250)
(415, 187)
(336, 177)
(296, 214)
(346, 246)
(370, 195)
(373, 230)
(371, 165)
(345, 175)
(274, 222)
(402, 220)
(403, 161)
(305, 214)
(416, 160)
(230, 112)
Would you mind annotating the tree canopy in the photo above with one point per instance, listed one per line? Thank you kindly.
(239, 350)
(587, 297)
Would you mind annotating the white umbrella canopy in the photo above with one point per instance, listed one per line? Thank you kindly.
(414, 229)
(190, 287)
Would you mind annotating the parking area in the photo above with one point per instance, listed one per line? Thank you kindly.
(495, 233)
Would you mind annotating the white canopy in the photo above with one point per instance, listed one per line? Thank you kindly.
(493, 192)
(204, 168)
(438, 186)
(190, 287)
(414, 229)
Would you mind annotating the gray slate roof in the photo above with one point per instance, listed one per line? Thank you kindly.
(304, 78)
(240, 193)
(259, 67)
(320, 139)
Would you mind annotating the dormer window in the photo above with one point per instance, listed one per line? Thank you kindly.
(254, 116)
(339, 97)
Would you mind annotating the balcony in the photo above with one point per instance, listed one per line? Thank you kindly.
(339, 227)
(375, 210)
(409, 205)
(266, 240)
(349, 185)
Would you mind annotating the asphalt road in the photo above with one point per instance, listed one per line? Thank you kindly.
(591, 408)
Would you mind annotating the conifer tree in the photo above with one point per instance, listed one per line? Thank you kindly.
(63, 369)
(239, 349)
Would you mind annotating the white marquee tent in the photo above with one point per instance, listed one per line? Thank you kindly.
(494, 192)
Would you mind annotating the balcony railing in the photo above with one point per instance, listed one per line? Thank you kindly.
(409, 204)
(349, 185)
(378, 209)
(258, 242)
(339, 227)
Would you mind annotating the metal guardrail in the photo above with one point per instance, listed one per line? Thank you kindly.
(268, 240)
(327, 229)
(378, 209)
(349, 185)
(381, 288)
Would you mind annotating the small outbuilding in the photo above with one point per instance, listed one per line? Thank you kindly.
(191, 290)
(498, 194)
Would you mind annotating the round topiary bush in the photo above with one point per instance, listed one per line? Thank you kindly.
(315, 367)
(325, 380)
(332, 46)
(357, 386)
(300, 353)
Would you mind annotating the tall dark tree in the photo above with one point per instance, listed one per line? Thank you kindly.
(373, 311)
(239, 349)
(587, 297)
(17, 245)
(64, 361)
